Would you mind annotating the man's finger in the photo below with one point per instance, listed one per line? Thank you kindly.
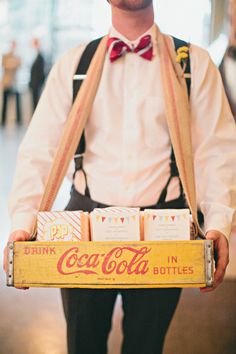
(221, 247)
(221, 255)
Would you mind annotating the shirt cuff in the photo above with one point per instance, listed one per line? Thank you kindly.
(23, 221)
(219, 221)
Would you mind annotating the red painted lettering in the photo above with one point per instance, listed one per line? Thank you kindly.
(135, 266)
(72, 262)
(27, 251)
(191, 271)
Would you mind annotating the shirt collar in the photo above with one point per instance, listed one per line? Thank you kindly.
(152, 31)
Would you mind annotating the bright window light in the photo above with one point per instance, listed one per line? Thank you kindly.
(186, 19)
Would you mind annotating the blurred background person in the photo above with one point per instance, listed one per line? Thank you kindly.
(37, 74)
(10, 64)
(228, 64)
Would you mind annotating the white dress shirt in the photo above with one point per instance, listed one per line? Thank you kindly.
(127, 140)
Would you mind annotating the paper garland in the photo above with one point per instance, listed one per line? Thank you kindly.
(116, 220)
(166, 218)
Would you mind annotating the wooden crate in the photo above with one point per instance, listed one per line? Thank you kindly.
(111, 264)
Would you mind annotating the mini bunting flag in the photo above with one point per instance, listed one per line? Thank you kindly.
(166, 218)
(154, 217)
(122, 220)
(173, 218)
(103, 218)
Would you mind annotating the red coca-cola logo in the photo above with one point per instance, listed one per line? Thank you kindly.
(113, 262)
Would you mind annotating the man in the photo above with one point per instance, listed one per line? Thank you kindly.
(37, 74)
(127, 162)
(10, 64)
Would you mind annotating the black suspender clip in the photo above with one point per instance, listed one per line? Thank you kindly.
(78, 158)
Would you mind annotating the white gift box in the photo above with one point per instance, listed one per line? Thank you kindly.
(115, 224)
(166, 224)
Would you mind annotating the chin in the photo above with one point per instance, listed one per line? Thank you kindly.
(131, 5)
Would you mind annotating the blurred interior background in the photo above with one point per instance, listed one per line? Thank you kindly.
(32, 321)
(61, 24)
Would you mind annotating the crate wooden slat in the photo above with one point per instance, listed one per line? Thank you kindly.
(111, 264)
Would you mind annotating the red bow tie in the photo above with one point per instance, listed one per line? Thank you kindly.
(117, 48)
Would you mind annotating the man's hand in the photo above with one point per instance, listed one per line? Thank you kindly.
(221, 255)
(18, 235)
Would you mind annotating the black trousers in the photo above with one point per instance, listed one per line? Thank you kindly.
(6, 94)
(88, 312)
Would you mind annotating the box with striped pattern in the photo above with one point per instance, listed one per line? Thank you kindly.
(63, 226)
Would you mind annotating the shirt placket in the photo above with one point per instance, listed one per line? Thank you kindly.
(129, 158)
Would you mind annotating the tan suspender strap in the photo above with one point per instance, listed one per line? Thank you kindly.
(179, 120)
(73, 128)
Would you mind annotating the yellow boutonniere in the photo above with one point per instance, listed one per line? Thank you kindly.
(182, 54)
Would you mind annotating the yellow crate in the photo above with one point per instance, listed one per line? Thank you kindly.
(111, 264)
